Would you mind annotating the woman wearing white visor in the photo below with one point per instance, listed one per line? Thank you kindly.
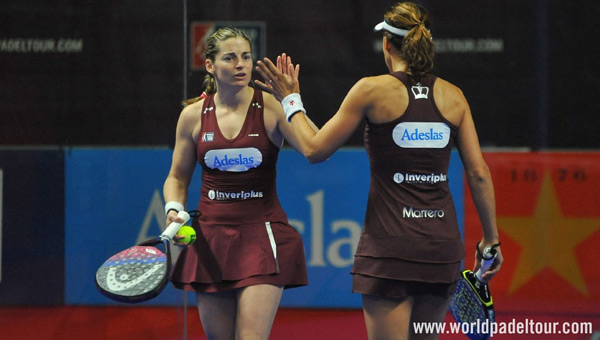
(409, 257)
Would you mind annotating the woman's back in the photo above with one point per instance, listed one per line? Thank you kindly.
(389, 99)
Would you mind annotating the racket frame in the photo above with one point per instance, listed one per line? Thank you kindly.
(165, 239)
(475, 283)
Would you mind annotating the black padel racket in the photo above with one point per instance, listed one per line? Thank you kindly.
(141, 272)
(472, 302)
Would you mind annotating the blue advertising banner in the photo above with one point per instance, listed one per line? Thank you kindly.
(31, 227)
(326, 203)
(114, 200)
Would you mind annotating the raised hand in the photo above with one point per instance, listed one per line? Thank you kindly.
(280, 80)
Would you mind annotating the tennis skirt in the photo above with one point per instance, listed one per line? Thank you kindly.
(226, 257)
(393, 277)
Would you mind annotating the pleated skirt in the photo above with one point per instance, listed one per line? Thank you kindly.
(226, 257)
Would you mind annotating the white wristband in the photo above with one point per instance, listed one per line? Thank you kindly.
(173, 206)
(292, 104)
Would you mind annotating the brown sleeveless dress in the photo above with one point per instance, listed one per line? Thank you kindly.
(410, 242)
(243, 236)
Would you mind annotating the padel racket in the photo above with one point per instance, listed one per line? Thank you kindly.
(472, 302)
(141, 272)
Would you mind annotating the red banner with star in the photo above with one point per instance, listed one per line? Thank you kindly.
(548, 214)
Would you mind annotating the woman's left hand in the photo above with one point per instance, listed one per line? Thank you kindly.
(489, 274)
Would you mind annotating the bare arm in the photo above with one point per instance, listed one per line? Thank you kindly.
(183, 163)
(480, 182)
(277, 125)
(287, 130)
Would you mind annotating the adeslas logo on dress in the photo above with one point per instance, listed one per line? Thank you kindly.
(421, 135)
(233, 160)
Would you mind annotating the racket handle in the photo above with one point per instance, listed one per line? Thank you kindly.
(173, 228)
(488, 257)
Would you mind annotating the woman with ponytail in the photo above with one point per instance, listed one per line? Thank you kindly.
(408, 260)
(246, 253)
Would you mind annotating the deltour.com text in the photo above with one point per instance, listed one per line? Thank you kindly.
(513, 327)
(41, 45)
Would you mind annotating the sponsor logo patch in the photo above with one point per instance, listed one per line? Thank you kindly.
(208, 136)
(420, 91)
(409, 178)
(227, 196)
(234, 160)
(421, 135)
(411, 212)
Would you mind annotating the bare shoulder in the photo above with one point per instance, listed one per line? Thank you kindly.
(448, 91)
(450, 100)
(273, 111)
(189, 122)
(375, 84)
(375, 89)
(274, 118)
(380, 98)
(271, 103)
(192, 111)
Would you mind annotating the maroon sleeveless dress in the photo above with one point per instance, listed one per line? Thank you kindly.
(410, 243)
(243, 236)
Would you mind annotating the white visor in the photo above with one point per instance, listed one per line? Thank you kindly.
(394, 30)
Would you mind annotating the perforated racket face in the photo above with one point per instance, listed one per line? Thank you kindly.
(467, 308)
(465, 304)
(136, 273)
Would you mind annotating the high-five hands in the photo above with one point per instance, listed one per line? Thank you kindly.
(280, 80)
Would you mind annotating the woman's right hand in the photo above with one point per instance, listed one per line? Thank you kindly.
(173, 217)
(280, 80)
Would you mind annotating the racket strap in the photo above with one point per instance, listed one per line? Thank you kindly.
(151, 242)
(493, 249)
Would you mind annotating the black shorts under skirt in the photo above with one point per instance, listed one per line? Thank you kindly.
(371, 285)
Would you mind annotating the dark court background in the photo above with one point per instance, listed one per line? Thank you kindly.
(103, 73)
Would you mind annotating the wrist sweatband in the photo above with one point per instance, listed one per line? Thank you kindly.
(292, 104)
(173, 206)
